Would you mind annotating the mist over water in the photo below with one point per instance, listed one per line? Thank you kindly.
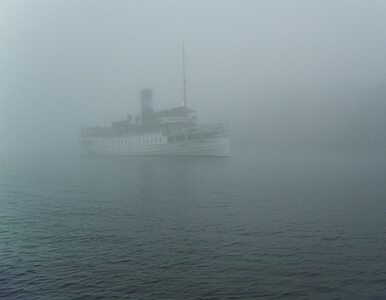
(308, 75)
(298, 209)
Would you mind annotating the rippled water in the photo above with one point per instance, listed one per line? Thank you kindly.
(279, 227)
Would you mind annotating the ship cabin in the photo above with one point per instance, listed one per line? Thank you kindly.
(177, 124)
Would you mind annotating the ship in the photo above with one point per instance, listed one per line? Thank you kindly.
(170, 132)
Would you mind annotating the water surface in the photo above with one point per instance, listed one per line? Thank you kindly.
(270, 226)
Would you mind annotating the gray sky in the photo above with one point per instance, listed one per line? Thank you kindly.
(290, 74)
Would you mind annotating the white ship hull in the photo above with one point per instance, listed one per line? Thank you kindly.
(153, 145)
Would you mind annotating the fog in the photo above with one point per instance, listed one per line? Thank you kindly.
(290, 204)
(290, 75)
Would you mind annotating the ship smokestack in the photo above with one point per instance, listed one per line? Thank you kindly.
(146, 104)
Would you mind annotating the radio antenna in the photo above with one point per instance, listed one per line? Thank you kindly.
(184, 74)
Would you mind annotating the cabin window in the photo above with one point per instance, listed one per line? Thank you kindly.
(180, 138)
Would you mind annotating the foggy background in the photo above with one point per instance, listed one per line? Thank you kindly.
(291, 75)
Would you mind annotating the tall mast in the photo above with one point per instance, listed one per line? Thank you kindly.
(184, 74)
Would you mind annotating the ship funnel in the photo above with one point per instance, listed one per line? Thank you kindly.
(146, 104)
